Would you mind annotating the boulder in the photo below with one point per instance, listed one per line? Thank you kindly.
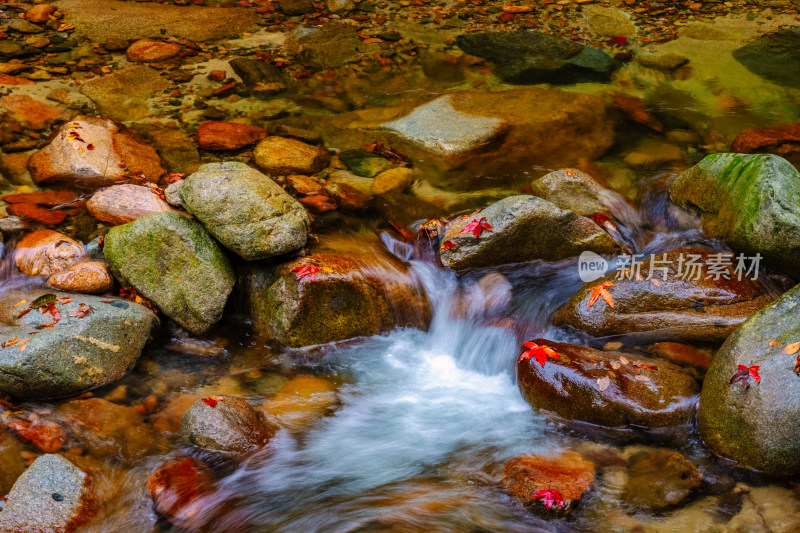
(782, 140)
(327, 46)
(124, 94)
(93, 344)
(225, 423)
(363, 163)
(228, 135)
(40, 13)
(245, 210)
(757, 425)
(120, 204)
(173, 262)
(106, 429)
(569, 473)
(577, 191)
(660, 478)
(748, 201)
(331, 296)
(679, 303)
(53, 495)
(531, 57)
(774, 56)
(523, 228)
(281, 156)
(607, 21)
(94, 152)
(45, 252)
(254, 72)
(85, 277)
(608, 388)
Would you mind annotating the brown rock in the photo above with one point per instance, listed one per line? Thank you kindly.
(120, 204)
(177, 488)
(282, 156)
(150, 50)
(660, 478)
(304, 184)
(225, 423)
(568, 473)
(348, 197)
(393, 180)
(228, 135)
(45, 252)
(101, 154)
(217, 75)
(32, 113)
(5, 79)
(300, 402)
(168, 419)
(15, 167)
(677, 308)
(40, 13)
(320, 203)
(49, 217)
(107, 429)
(783, 140)
(51, 198)
(608, 388)
(682, 354)
(87, 276)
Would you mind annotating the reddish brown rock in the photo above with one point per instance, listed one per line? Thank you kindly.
(228, 135)
(45, 252)
(568, 473)
(318, 202)
(32, 113)
(672, 306)
(660, 478)
(608, 388)
(120, 204)
(87, 276)
(783, 140)
(304, 184)
(51, 198)
(107, 429)
(94, 152)
(150, 50)
(682, 354)
(49, 217)
(177, 488)
(280, 156)
(46, 435)
(40, 13)
(636, 110)
(5, 79)
(348, 197)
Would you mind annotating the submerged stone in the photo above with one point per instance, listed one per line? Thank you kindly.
(225, 423)
(124, 94)
(774, 56)
(659, 479)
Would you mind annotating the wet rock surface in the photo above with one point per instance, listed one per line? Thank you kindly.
(46, 252)
(523, 228)
(225, 423)
(86, 276)
(247, 211)
(602, 388)
(178, 488)
(677, 307)
(157, 253)
(108, 429)
(659, 479)
(120, 204)
(280, 156)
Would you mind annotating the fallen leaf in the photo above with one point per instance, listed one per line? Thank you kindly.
(603, 383)
(538, 352)
(744, 373)
(791, 349)
(549, 497)
(615, 365)
(601, 291)
(647, 366)
(211, 402)
(23, 313)
(12, 342)
(82, 311)
(448, 245)
(612, 345)
(774, 343)
(64, 300)
(20, 303)
(23, 344)
(307, 270)
(642, 378)
(655, 282)
(624, 360)
(476, 227)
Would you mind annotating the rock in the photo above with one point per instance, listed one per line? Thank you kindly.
(124, 94)
(577, 191)
(24, 26)
(329, 46)
(120, 204)
(177, 150)
(254, 72)
(304, 184)
(682, 354)
(607, 21)
(172, 194)
(307, 136)
(652, 154)
(124, 20)
(759, 425)
(569, 473)
(300, 402)
(405, 209)
(106, 429)
(347, 196)
(78, 353)
(85, 277)
(363, 163)
(774, 56)
(245, 210)
(355, 292)
(659, 479)
(48, 217)
(319, 203)
(600, 388)
(46, 252)
(40, 13)
(225, 423)
(11, 463)
(280, 156)
(746, 200)
(53, 495)
(296, 7)
(228, 135)
(168, 419)
(666, 62)
(149, 50)
(115, 155)
(32, 113)
(531, 57)
(157, 254)
(523, 228)
(680, 308)
(178, 488)
(782, 140)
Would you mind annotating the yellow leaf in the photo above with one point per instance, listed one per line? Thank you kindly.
(791, 349)
(20, 303)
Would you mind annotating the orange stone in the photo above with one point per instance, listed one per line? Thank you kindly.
(32, 113)
(228, 135)
(568, 473)
(40, 13)
(150, 50)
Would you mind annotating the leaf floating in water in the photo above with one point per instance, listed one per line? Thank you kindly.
(603, 383)
(624, 360)
(549, 497)
(641, 378)
(211, 401)
(744, 373)
(615, 365)
(792, 349)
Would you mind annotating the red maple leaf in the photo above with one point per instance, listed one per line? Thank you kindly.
(477, 227)
(211, 402)
(601, 291)
(538, 352)
(549, 497)
(448, 245)
(744, 373)
(307, 270)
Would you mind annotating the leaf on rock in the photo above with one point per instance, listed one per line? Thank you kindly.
(538, 352)
(601, 291)
(82, 311)
(476, 227)
(210, 401)
(744, 374)
(45, 299)
(792, 348)
(307, 270)
(603, 383)
(448, 245)
(549, 497)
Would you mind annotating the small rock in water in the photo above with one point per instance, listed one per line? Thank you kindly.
(178, 488)
(53, 495)
(46, 252)
(40, 13)
(150, 50)
(86, 276)
(660, 478)
(568, 473)
(393, 180)
(300, 402)
(225, 423)
(228, 135)
(120, 204)
(280, 156)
